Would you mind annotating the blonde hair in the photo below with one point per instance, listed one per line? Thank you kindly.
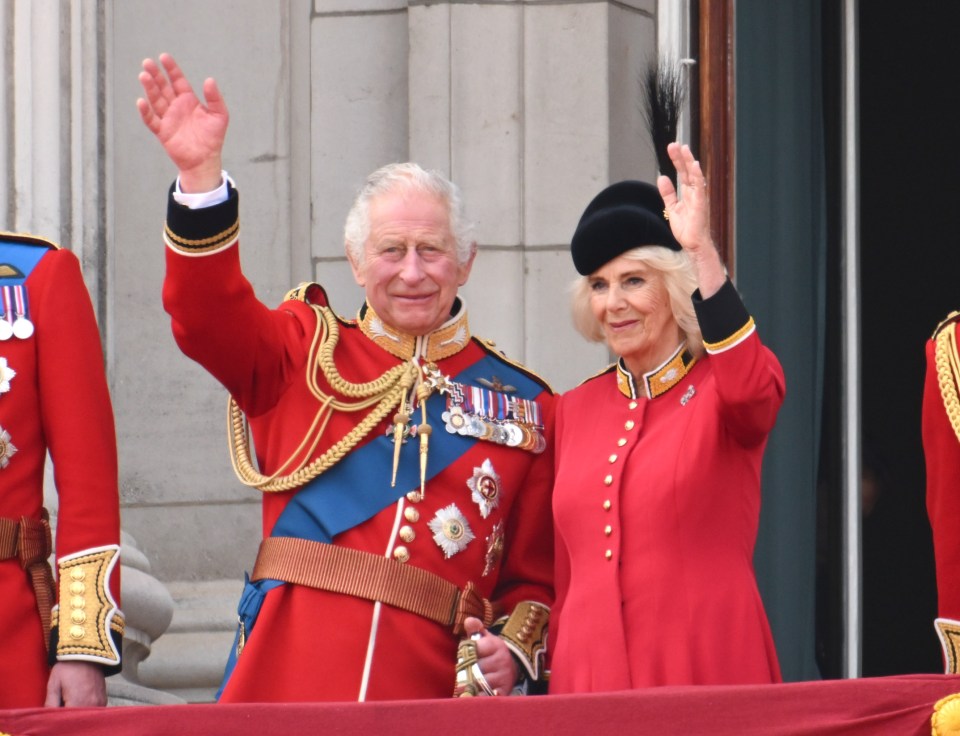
(679, 279)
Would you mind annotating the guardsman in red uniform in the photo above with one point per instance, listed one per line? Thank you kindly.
(941, 448)
(405, 465)
(60, 638)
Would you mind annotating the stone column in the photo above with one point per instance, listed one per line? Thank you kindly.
(532, 108)
(54, 158)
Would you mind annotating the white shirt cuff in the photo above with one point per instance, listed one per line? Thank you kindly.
(198, 200)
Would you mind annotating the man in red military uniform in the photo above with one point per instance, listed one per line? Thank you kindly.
(405, 465)
(53, 396)
(941, 448)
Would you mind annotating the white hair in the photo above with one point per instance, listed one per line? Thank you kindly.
(399, 177)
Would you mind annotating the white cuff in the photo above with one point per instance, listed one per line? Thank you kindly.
(199, 200)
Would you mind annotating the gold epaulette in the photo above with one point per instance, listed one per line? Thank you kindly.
(89, 623)
(491, 347)
(947, 363)
(308, 292)
(951, 318)
(525, 634)
(27, 239)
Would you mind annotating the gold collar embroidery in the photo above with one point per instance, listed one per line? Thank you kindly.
(660, 379)
(449, 339)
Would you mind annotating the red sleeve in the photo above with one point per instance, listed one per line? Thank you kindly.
(561, 557)
(749, 378)
(750, 384)
(941, 447)
(75, 409)
(527, 571)
(217, 320)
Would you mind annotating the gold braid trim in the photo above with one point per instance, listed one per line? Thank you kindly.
(948, 374)
(383, 393)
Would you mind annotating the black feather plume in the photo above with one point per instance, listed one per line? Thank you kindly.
(663, 100)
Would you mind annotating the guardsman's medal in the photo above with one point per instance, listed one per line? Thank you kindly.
(6, 319)
(22, 326)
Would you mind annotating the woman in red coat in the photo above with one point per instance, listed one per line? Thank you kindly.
(657, 491)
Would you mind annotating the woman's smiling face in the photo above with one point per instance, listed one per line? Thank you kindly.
(630, 301)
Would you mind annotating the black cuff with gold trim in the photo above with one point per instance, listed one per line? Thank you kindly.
(203, 229)
(722, 315)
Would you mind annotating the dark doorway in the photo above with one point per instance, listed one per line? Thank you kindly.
(909, 255)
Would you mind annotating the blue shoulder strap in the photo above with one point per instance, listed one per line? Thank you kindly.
(17, 260)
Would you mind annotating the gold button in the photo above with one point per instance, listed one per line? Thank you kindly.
(613, 459)
(78, 588)
(407, 534)
(607, 505)
(608, 530)
(629, 425)
(608, 554)
(608, 480)
(621, 442)
(78, 601)
(401, 554)
(78, 617)
(633, 404)
(77, 574)
(77, 632)
(414, 497)
(411, 514)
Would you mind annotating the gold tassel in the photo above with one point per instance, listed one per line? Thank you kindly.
(424, 431)
(400, 420)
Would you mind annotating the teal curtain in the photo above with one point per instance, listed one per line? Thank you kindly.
(779, 270)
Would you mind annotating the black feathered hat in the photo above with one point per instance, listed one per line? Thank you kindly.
(625, 215)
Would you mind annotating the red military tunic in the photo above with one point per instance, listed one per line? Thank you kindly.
(656, 506)
(53, 396)
(941, 448)
(310, 644)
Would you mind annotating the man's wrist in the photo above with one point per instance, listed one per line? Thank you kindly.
(199, 199)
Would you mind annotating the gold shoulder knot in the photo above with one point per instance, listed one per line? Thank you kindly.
(308, 292)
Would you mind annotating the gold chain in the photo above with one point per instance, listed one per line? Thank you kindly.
(384, 392)
(948, 374)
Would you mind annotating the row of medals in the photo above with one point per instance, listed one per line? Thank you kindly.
(503, 432)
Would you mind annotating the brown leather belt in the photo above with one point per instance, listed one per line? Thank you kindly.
(30, 542)
(364, 575)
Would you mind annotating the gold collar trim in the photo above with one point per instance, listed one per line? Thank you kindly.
(661, 379)
(449, 339)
